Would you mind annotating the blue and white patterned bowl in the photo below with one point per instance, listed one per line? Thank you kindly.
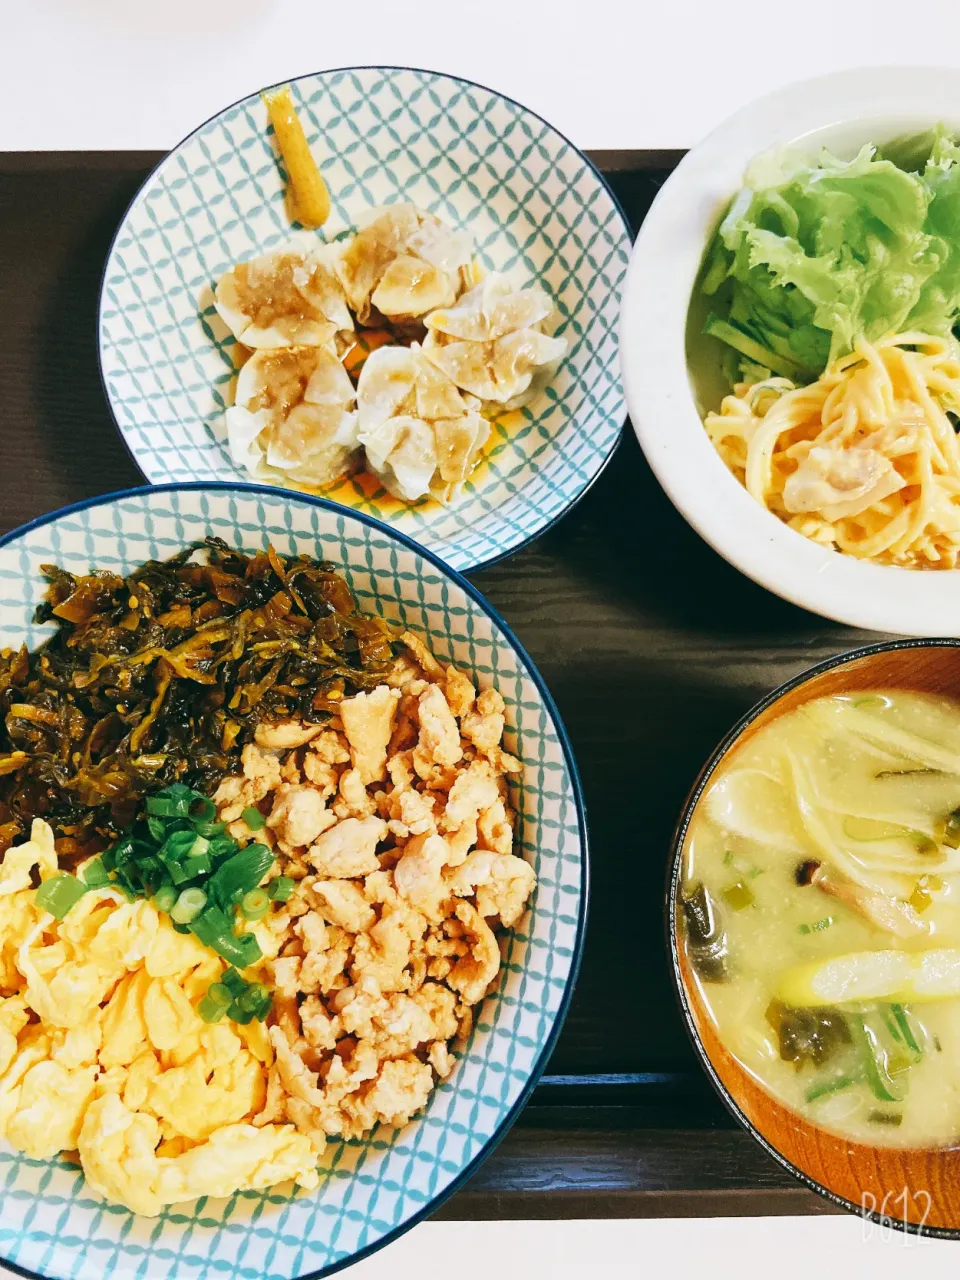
(537, 209)
(51, 1224)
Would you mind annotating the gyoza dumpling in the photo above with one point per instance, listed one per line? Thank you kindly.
(289, 297)
(420, 434)
(402, 263)
(491, 344)
(293, 418)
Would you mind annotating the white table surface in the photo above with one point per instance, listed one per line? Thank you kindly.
(608, 73)
(109, 74)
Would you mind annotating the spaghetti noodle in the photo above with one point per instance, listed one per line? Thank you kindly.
(866, 459)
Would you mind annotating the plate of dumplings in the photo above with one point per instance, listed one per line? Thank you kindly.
(440, 354)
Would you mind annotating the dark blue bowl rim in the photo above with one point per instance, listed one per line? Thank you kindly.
(331, 71)
(674, 869)
(273, 491)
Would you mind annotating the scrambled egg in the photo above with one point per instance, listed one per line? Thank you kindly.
(102, 1051)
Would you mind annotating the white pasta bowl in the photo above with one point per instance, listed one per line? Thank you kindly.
(537, 210)
(51, 1223)
(671, 372)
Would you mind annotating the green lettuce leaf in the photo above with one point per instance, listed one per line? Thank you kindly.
(809, 257)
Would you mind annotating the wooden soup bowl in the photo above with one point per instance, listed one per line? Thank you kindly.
(917, 1190)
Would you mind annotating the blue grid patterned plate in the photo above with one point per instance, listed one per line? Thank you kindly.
(51, 1224)
(537, 209)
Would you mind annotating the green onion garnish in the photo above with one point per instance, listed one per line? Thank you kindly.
(173, 802)
(817, 927)
(188, 906)
(165, 897)
(826, 1087)
(195, 865)
(239, 874)
(214, 930)
(95, 874)
(210, 1011)
(202, 809)
(253, 818)
(280, 888)
(240, 1000)
(157, 828)
(58, 894)
(220, 994)
(234, 983)
(255, 904)
(178, 855)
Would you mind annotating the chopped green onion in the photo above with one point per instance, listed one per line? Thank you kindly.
(165, 897)
(885, 1117)
(898, 1024)
(220, 994)
(253, 818)
(255, 904)
(825, 1087)
(252, 999)
(233, 982)
(193, 866)
(177, 845)
(95, 874)
(188, 906)
(157, 828)
(738, 896)
(239, 874)
(124, 853)
(243, 1016)
(118, 854)
(151, 870)
(213, 929)
(209, 829)
(177, 872)
(209, 1010)
(58, 894)
(173, 802)
(203, 810)
(222, 846)
(281, 888)
(817, 927)
(874, 1059)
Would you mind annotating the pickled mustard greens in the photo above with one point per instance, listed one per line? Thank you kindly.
(820, 911)
(163, 676)
(811, 256)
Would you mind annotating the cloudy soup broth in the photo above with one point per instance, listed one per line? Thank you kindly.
(820, 912)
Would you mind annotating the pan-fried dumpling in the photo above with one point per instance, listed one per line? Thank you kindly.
(293, 419)
(289, 297)
(420, 434)
(491, 343)
(402, 263)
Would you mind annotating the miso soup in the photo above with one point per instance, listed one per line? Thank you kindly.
(820, 911)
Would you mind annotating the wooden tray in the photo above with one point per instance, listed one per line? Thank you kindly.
(651, 644)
